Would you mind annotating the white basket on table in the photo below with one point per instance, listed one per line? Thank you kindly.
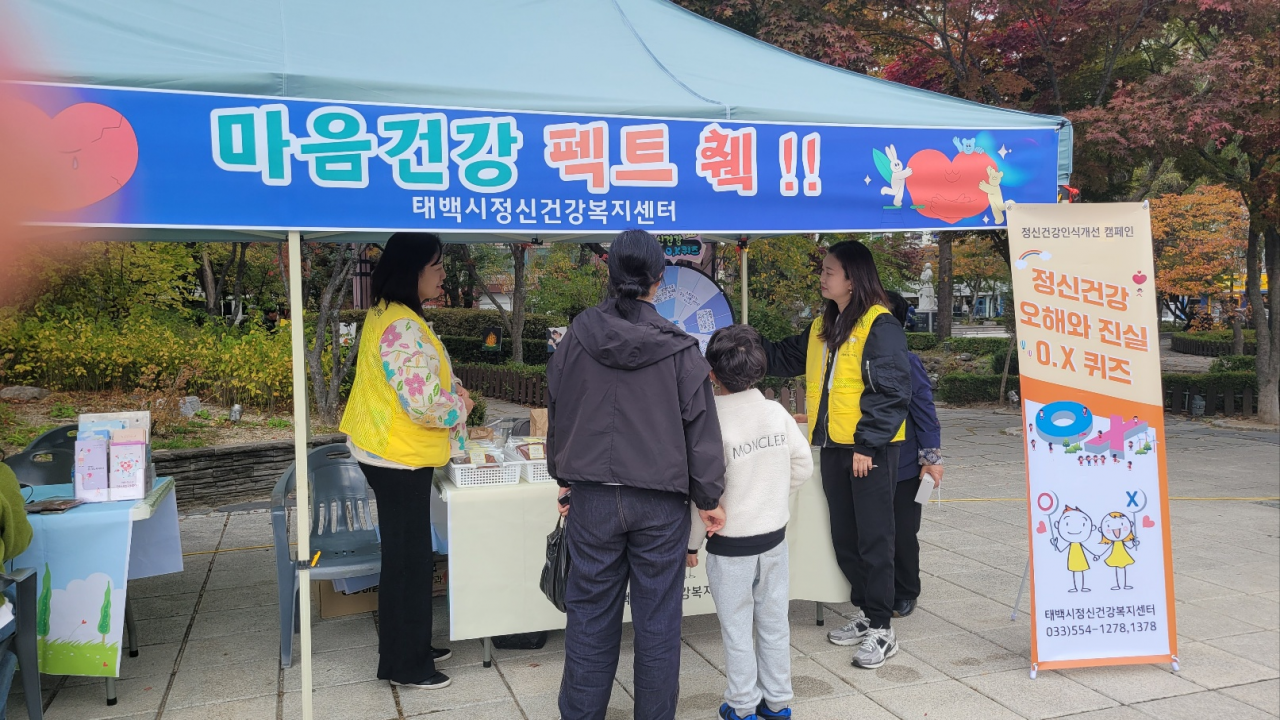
(534, 471)
(483, 475)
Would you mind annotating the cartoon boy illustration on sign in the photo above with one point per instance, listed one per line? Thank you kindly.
(1117, 531)
(1074, 528)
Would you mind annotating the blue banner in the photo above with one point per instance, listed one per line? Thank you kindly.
(146, 158)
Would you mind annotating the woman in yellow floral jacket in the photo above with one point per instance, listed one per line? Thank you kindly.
(406, 416)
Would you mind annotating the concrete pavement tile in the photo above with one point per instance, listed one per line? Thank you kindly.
(1236, 578)
(691, 664)
(369, 701)
(1129, 684)
(261, 621)
(500, 710)
(88, 702)
(1049, 695)
(241, 577)
(1200, 622)
(951, 540)
(343, 633)
(1200, 706)
(700, 624)
(998, 555)
(1263, 695)
(975, 614)
(935, 589)
(465, 652)
(162, 631)
(1262, 647)
(472, 685)
(945, 700)
(547, 706)
(1189, 589)
(330, 669)
(163, 606)
(942, 562)
(1211, 668)
(230, 650)
(921, 624)
(811, 681)
(840, 708)
(901, 670)
(1119, 712)
(993, 584)
(209, 686)
(711, 646)
(700, 695)
(554, 644)
(1015, 637)
(259, 708)
(960, 656)
(190, 580)
(1251, 609)
(242, 597)
(152, 661)
(536, 675)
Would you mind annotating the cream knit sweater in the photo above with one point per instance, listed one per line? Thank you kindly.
(766, 459)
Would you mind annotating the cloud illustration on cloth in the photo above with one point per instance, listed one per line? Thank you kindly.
(74, 611)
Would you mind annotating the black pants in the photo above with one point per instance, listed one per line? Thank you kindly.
(620, 535)
(906, 555)
(862, 527)
(404, 590)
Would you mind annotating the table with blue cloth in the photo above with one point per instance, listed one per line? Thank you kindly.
(83, 559)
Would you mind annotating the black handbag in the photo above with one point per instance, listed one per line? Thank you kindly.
(555, 574)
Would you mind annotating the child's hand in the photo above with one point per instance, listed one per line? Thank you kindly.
(692, 560)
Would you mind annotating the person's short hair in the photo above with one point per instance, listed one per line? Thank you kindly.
(898, 306)
(736, 355)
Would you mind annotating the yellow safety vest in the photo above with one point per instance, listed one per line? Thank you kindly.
(374, 419)
(844, 406)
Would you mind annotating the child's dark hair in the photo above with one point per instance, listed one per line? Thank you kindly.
(636, 262)
(737, 357)
(898, 306)
(395, 277)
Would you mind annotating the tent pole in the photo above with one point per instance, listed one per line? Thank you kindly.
(742, 245)
(301, 433)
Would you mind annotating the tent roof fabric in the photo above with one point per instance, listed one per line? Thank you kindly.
(605, 57)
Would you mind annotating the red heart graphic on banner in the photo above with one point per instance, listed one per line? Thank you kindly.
(89, 151)
(1041, 528)
(1139, 277)
(947, 188)
(1147, 522)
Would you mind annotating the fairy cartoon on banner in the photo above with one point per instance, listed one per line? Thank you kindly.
(1101, 560)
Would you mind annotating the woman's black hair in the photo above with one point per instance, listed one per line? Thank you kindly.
(898, 306)
(860, 269)
(395, 277)
(736, 355)
(636, 262)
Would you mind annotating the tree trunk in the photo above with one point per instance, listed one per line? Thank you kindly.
(946, 286)
(325, 397)
(518, 294)
(1237, 328)
(1008, 357)
(237, 294)
(1267, 328)
(213, 282)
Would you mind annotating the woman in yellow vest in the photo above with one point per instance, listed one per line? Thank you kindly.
(406, 416)
(858, 380)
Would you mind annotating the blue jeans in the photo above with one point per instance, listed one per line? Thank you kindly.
(619, 535)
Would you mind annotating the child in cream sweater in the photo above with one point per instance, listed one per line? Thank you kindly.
(767, 458)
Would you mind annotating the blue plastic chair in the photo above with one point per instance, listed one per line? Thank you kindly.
(60, 438)
(44, 466)
(341, 526)
(20, 636)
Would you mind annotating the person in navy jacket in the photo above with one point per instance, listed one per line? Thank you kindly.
(921, 455)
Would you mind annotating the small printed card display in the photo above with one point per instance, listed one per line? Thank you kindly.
(128, 478)
(91, 470)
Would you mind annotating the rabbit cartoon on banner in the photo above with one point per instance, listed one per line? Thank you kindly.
(898, 178)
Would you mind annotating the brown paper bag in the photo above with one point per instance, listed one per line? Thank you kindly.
(538, 422)
(480, 433)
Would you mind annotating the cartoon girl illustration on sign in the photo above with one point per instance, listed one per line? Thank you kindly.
(1073, 530)
(1117, 531)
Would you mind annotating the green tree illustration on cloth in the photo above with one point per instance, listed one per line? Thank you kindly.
(43, 605)
(104, 618)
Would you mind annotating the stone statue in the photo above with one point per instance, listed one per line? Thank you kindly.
(928, 299)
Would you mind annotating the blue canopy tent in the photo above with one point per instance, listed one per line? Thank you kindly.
(194, 121)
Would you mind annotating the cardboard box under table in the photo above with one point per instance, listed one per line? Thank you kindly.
(496, 544)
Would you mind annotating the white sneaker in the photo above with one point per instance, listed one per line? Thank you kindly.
(879, 645)
(852, 633)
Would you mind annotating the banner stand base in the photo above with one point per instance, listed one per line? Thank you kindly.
(1035, 668)
(1176, 668)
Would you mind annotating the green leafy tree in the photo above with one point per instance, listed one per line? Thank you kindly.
(44, 603)
(104, 617)
(565, 283)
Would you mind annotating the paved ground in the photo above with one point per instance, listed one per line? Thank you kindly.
(209, 634)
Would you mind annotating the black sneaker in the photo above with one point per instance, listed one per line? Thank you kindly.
(439, 654)
(435, 682)
(903, 608)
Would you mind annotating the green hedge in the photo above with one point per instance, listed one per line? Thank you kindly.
(1212, 343)
(961, 388)
(921, 341)
(1234, 363)
(469, 322)
(978, 345)
(471, 350)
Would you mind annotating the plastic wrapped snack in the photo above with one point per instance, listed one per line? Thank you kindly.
(530, 448)
(479, 455)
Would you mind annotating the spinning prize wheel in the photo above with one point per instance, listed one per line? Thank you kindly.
(693, 302)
